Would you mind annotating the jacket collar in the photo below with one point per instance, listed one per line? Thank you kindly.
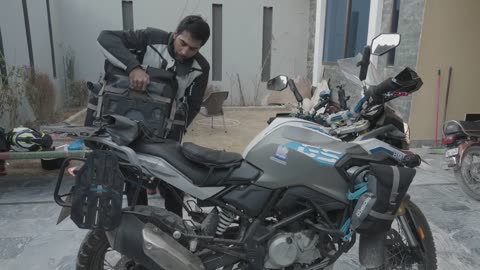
(181, 68)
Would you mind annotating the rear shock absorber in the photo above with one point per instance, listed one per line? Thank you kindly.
(226, 218)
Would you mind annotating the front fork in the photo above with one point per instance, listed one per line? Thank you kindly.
(402, 213)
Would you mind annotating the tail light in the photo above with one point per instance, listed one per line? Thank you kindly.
(449, 139)
(400, 94)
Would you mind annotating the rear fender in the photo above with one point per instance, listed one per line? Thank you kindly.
(127, 239)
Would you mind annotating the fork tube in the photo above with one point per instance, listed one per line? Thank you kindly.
(408, 232)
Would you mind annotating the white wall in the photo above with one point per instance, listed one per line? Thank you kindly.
(76, 25)
(242, 38)
(13, 33)
(42, 57)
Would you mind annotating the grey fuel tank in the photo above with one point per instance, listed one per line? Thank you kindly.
(299, 154)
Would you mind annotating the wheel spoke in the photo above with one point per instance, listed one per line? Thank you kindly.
(398, 254)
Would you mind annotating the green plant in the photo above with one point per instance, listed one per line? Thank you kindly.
(76, 94)
(40, 92)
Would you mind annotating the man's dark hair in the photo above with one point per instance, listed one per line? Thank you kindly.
(197, 26)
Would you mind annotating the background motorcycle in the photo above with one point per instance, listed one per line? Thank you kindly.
(462, 140)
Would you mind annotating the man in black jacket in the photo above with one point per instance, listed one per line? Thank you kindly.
(134, 51)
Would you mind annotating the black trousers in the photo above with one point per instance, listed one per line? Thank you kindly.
(173, 201)
(172, 195)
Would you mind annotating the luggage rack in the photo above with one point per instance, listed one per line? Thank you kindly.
(97, 194)
(95, 200)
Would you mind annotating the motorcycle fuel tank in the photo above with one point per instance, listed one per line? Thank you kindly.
(293, 152)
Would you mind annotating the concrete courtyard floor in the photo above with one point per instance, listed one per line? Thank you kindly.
(30, 240)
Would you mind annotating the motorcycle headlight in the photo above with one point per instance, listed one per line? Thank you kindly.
(407, 132)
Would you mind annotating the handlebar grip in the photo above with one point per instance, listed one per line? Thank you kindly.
(412, 160)
(321, 104)
(342, 98)
(382, 88)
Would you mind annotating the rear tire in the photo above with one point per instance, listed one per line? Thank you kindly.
(464, 173)
(92, 251)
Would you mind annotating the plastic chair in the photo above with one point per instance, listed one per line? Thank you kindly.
(213, 105)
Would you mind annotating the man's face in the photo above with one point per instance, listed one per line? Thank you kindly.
(185, 46)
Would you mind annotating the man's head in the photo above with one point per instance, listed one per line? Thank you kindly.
(191, 34)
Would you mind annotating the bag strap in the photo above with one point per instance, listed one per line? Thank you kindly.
(395, 186)
(164, 61)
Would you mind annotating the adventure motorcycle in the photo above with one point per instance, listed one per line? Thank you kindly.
(295, 199)
(462, 139)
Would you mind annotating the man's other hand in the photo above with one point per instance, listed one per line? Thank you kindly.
(139, 79)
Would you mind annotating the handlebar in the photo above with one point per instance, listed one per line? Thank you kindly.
(412, 160)
(321, 104)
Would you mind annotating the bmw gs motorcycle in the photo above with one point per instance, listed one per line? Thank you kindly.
(296, 199)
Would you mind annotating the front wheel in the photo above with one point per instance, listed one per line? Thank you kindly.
(399, 251)
(468, 175)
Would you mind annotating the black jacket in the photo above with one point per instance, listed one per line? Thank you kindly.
(153, 47)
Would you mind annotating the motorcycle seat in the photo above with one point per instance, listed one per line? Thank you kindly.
(210, 157)
(209, 167)
(469, 128)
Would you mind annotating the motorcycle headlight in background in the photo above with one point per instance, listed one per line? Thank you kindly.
(406, 127)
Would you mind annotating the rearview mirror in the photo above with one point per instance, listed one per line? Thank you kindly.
(278, 83)
(385, 43)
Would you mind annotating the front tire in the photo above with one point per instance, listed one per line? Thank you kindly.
(468, 175)
(399, 254)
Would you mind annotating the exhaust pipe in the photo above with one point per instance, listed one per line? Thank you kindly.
(149, 246)
(168, 253)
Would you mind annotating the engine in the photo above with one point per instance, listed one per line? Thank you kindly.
(285, 249)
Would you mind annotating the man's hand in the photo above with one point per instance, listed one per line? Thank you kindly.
(139, 79)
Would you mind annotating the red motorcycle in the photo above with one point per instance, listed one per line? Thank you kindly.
(462, 139)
